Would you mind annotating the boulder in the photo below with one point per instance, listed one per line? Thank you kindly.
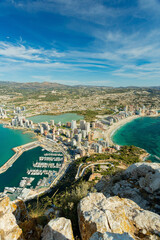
(96, 213)
(110, 236)
(140, 183)
(59, 229)
(8, 225)
(147, 174)
(19, 210)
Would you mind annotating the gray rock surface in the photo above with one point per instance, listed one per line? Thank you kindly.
(59, 229)
(97, 213)
(140, 183)
(110, 236)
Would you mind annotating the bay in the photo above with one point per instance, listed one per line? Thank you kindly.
(143, 132)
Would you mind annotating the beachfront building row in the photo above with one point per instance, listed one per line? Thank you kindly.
(127, 112)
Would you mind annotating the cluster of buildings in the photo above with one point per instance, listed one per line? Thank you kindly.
(3, 113)
(20, 121)
(80, 139)
(127, 112)
(18, 110)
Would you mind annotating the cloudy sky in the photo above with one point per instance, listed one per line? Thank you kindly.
(93, 42)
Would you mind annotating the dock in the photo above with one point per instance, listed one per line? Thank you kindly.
(18, 152)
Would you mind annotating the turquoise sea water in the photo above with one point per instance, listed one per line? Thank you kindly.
(9, 139)
(12, 177)
(67, 117)
(143, 132)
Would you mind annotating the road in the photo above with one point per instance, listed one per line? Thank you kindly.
(92, 164)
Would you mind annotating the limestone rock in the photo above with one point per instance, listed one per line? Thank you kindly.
(19, 210)
(116, 215)
(8, 225)
(140, 183)
(148, 175)
(59, 229)
(110, 236)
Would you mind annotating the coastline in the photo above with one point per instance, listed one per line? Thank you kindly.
(113, 128)
(43, 144)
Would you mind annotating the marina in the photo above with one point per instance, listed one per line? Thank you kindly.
(29, 174)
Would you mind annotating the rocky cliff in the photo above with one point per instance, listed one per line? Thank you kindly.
(126, 207)
(140, 183)
(9, 230)
(116, 215)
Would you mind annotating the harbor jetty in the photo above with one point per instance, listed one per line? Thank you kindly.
(18, 152)
(44, 143)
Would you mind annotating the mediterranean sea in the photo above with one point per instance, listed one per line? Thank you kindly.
(143, 132)
(13, 176)
(9, 139)
(66, 117)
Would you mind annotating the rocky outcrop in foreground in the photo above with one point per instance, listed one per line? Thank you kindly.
(140, 183)
(110, 236)
(111, 215)
(97, 213)
(59, 229)
(9, 230)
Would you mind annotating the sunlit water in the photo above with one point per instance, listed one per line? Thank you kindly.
(143, 132)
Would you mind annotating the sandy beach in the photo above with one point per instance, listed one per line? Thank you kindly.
(111, 130)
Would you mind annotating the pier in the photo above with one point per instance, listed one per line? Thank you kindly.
(18, 152)
(47, 144)
(45, 166)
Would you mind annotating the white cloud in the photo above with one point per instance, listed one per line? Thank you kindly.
(20, 51)
(120, 55)
(89, 10)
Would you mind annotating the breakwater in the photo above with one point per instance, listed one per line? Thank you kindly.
(9, 139)
(18, 152)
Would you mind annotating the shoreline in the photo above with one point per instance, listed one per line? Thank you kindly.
(113, 128)
(19, 151)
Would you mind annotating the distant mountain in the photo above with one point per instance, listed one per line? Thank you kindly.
(32, 85)
(51, 85)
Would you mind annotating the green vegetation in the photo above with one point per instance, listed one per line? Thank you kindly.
(90, 115)
(68, 192)
(129, 154)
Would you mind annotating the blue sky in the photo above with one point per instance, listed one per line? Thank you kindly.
(93, 42)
